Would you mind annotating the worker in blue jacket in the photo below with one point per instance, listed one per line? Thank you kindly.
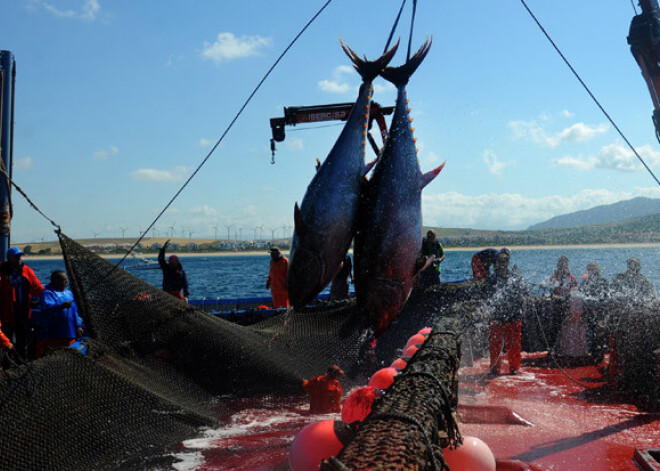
(57, 320)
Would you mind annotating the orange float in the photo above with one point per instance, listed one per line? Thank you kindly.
(357, 405)
(473, 455)
(383, 378)
(314, 443)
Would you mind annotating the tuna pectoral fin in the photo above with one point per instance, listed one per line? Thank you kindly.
(369, 70)
(399, 76)
(431, 174)
(298, 222)
(369, 165)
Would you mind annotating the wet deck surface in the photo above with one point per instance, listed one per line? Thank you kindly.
(570, 426)
(539, 417)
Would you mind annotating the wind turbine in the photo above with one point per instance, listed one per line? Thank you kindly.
(240, 233)
(96, 234)
(228, 236)
(261, 231)
(171, 228)
(153, 231)
(272, 232)
(123, 230)
(190, 233)
(215, 228)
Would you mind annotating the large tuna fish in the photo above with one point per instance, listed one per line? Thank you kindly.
(325, 221)
(388, 237)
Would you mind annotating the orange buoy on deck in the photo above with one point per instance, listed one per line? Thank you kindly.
(314, 443)
(473, 455)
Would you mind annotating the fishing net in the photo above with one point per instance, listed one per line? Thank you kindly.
(156, 370)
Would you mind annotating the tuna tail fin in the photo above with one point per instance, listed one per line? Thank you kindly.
(399, 76)
(431, 174)
(369, 70)
(299, 222)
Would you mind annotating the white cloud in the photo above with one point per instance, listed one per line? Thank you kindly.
(204, 211)
(295, 144)
(384, 88)
(23, 164)
(204, 142)
(154, 175)
(514, 211)
(338, 83)
(494, 165)
(104, 154)
(228, 47)
(567, 114)
(89, 10)
(331, 86)
(578, 132)
(614, 157)
(428, 158)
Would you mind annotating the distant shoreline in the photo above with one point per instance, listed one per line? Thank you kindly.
(448, 249)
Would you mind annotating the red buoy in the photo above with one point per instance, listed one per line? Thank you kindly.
(383, 378)
(410, 351)
(314, 443)
(399, 364)
(415, 339)
(473, 454)
(357, 405)
(425, 331)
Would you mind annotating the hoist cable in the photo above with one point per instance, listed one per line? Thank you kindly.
(27, 198)
(412, 27)
(231, 124)
(396, 23)
(589, 92)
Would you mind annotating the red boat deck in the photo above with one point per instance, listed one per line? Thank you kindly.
(544, 418)
(539, 419)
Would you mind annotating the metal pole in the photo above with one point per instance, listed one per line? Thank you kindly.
(8, 79)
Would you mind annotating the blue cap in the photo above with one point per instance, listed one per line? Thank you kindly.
(14, 251)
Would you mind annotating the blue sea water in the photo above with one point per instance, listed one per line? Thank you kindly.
(244, 276)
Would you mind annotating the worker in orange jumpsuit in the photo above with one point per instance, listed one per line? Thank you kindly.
(279, 265)
(325, 391)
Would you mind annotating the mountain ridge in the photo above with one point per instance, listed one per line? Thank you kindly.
(603, 214)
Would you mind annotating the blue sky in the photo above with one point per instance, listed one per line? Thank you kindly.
(118, 101)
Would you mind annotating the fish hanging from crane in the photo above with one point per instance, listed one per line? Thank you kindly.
(387, 240)
(325, 220)
(644, 40)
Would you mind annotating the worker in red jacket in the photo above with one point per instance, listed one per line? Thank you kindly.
(18, 286)
(5, 345)
(279, 265)
(325, 391)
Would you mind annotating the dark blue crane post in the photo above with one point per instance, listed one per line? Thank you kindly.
(8, 80)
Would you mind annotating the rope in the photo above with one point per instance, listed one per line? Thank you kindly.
(27, 198)
(589, 92)
(396, 22)
(632, 2)
(231, 124)
(412, 27)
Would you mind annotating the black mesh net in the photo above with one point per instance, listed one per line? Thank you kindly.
(156, 370)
